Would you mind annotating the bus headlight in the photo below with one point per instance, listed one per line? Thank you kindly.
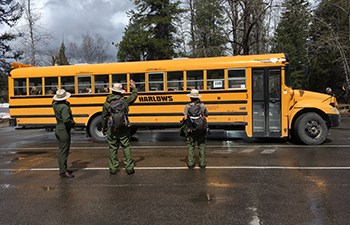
(335, 110)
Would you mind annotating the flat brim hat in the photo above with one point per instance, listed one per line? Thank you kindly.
(117, 87)
(194, 94)
(61, 95)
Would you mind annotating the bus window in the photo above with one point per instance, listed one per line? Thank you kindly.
(175, 81)
(20, 86)
(139, 79)
(236, 78)
(215, 79)
(195, 80)
(156, 81)
(67, 83)
(101, 83)
(51, 84)
(120, 78)
(35, 86)
(84, 84)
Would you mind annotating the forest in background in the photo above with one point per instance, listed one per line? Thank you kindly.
(314, 34)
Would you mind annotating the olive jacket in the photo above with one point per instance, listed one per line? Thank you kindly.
(63, 114)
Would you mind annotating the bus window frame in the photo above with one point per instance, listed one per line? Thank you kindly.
(237, 78)
(219, 79)
(74, 84)
(106, 85)
(175, 81)
(50, 86)
(113, 75)
(21, 87)
(137, 83)
(88, 89)
(39, 88)
(155, 82)
(196, 80)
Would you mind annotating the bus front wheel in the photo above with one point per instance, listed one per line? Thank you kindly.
(310, 129)
(95, 129)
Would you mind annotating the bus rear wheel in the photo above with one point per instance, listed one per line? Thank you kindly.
(310, 129)
(95, 129)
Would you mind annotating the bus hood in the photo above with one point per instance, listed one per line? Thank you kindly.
(312, 99)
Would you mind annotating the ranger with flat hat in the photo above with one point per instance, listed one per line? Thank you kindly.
(65, 123)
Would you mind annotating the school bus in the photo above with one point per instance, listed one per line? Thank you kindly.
(250, 93)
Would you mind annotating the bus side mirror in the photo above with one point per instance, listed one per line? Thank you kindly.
(329, 90)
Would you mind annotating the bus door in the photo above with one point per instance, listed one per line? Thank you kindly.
(266, 89)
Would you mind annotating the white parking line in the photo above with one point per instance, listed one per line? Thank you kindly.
(268, 151)
(247, 150)
(185, 168)
(185, 146)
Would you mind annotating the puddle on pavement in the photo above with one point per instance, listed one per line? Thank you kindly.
(25, 154)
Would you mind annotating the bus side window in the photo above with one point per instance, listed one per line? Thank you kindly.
(156, 81)
(35, 86)
(195, 80)
(67, 83)
(139, 79)
(20, 86)
(101, 83)
(236, 78)
(120, 78)
(84, 84)
(51, 84)
(175, 81)
(215, 79)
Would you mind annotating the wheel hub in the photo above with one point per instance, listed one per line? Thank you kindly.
(313, 129)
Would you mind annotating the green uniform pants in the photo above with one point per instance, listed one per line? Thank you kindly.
(64, 137)
(191, 144)
(114, 139)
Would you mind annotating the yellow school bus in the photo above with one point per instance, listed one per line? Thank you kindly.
(250, 93)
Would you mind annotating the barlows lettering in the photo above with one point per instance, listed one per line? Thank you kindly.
(155, 98)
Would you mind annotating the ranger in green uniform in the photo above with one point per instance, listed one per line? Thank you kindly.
(195, 115)
(65, 123)
(118, 134)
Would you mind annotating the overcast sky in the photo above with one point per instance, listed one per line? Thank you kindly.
(70, 19)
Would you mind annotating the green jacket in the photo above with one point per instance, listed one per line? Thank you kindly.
(115, 96)
(63, 114)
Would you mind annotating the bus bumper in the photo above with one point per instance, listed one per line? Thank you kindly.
(335, 120)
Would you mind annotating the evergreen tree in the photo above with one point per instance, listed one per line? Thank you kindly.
(330, 48)
(150, 33)
(61, 58)
(291, 37)
(10, 12)
(133, 47)
(209, 36)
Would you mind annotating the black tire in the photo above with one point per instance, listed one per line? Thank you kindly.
(310, 129)
(133, 130)
(95, 129)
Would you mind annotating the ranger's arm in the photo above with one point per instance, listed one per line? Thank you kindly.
(67, 117)
(105, 115)
(132, 98)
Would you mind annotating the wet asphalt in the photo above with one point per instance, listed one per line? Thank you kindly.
(246, 181)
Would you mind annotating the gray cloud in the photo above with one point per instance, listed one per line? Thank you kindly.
(71, 19)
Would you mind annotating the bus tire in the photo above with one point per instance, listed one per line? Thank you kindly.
(133, 131)
(310, 129)
(95, 129)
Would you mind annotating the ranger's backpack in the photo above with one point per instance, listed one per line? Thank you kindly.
(196, 121)
(118, 111)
